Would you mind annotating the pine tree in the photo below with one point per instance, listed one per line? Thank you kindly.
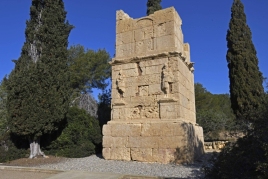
(152, 6)
(246, 90)
(38, 87)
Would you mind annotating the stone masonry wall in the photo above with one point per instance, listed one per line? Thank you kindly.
(153, 104)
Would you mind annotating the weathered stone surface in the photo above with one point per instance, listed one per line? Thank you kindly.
(142, 154)
(120, 154)
(153, 104)
(113, 142)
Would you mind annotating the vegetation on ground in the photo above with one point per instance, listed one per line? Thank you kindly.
(246, 80)
(214, 114)
(248, 157)
(80, 138)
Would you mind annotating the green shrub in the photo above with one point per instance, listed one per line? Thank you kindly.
(11, 148)
(79, 138)
(246, 158)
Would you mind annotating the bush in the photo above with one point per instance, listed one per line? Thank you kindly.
(80, 138)
(11, 148)
(246, 158)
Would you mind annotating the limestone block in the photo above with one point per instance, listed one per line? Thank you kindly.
(124, 38)
(131, 72)
(143, 22)
(120, 154)
(144, 33)
(106, 153)
(184, 101)
(165, 15)
(169, 129)
(186, 48)
(106, 130)
(115, 94)
(111, 142)
(121, 15)
(125, 50)
(145, 80)
(150, 112)
(172, 142)
(143, 90)
(154, 62)
(151, 129)
(143, 46)
(127, 66)
(164, 156)
(167, 111)
(155, 89)
(178, 32)
(143, 142)
(119, 113)
(163, 29)
(124, 26)
(134, 113)
(142, 154)
(175, 87)
(156, 69)
(143, 101)
(174, 65)
(165, 42)
(131, 91)
(124, 130)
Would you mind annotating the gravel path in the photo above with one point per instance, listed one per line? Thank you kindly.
(98, 164)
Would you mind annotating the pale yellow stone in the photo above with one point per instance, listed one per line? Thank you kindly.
(106, 153)
(153, 104)
(123, 130)
(106, 130)
(164, 156)
(120, 154)
(142, 154)
(112, 142)
(143, 142)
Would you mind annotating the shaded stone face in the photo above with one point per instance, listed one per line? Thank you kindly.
(152, 91)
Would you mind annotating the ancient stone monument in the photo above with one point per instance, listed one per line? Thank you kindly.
(153, 103)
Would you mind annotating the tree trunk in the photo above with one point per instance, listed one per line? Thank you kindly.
(35, 148)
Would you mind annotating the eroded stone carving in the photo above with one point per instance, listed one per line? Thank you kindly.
(120, 84)
(167, 79)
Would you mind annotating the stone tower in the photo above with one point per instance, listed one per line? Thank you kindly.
(153, 102)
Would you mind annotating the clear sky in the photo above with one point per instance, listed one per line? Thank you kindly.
(205, 24)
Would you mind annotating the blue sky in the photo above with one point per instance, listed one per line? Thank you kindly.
(205, 24)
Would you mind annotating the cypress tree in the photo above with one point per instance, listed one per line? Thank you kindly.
(246, 90)
(38, 87)
(152, 6)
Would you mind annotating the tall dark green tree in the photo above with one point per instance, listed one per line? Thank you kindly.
(246, 90)
(38, 87)
(152, 6)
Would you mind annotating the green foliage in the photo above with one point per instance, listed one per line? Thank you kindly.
(79, 138)
(245, 159)
(213, 112)
(8, 150)
(152, 6)
(38, 88)
(246, 90)
(104, 107)
(3, 110)
(88, 69)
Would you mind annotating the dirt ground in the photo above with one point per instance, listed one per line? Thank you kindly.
(26, 162)
(10, 174)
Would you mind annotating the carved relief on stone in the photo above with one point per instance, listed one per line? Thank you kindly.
(120, 84)
(143, 90)
(151, 112)
(135, 113)
(167, 79)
